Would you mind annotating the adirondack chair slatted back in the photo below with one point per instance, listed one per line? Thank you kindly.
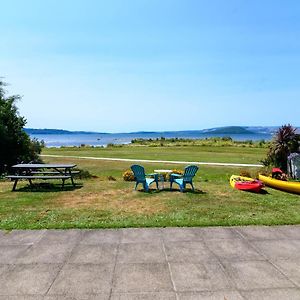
(189, 173)
(139, 173)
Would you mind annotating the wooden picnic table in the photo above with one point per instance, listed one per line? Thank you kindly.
(43, 171)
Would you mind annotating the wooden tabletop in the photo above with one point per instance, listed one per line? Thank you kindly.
(44, 166)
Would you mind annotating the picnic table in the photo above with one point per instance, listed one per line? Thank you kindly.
(43, 171)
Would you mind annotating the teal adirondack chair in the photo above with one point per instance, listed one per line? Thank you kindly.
(182, 180)
(140, 177)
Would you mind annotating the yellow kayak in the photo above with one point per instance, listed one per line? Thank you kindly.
(287, 186)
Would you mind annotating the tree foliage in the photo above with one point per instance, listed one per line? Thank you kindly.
(15, 144)
(285, 141)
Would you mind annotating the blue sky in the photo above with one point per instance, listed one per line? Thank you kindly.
(119, 66)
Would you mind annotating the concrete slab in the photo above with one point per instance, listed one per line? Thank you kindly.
(141, 253)
(185, 234)
(21, 237)
(272, 294)
(256, 274)
(290, 231)
(9, 254)
(199, 277)
(144, 296)
(3, 270)
(98, 237)
(45, 254)
(218, 295)
(61, 237)
(83, 279)
(219, 233)
(233, 249)
(279, 249)
(255, 262)
(290, 268)
(188, 252)
(261, 232)
(28, 279)
(94, 254)
(142, 277)
(28, 297)
(78, 297)
(141, 235)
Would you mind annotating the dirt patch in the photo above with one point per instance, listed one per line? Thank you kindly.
(118, 200)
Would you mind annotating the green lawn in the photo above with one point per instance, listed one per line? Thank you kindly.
(179, 153)
(101, 203)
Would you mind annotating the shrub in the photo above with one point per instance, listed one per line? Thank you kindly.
(245, 173)
(83, 174)
(284, 142)
(128, 175)
(15, 144)
(177, 171)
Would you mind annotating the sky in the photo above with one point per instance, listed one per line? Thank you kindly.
(152, 65)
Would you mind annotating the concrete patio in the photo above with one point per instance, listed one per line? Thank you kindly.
(168, 263)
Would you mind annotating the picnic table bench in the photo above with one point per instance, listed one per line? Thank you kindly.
(44, 172)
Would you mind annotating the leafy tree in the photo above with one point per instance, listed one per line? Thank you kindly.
(15, 144)
(285, 141)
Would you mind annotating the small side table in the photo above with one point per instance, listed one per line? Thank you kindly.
(161, 173)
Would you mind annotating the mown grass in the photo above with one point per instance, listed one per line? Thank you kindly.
(225, 154)
(101, 203)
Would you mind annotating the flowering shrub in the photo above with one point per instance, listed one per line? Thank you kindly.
(128, 175)
(177, 171)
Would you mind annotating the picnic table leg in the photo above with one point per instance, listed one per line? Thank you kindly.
(72, 180)
(63, 183)
(15, 185)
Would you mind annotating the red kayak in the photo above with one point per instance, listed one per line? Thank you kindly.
(246, 183)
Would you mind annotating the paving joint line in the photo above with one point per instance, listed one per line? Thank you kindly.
(267, 259)
(223, 267)
(115, 265)
(62, 265)
(169, 266)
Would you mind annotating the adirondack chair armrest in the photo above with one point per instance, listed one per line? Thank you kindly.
(173, 175)
(155, 175)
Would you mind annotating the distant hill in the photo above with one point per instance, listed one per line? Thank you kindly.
(217, 130)
(57, 131)
(228, 130)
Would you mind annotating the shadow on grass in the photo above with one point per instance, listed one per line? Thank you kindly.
(187, 191)
(48, 187)
(168, 190)
(264, 192)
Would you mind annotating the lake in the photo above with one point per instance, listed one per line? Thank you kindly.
(98, 139)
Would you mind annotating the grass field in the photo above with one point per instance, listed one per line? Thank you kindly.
(102, 203)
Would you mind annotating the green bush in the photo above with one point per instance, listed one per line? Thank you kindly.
(284, 142)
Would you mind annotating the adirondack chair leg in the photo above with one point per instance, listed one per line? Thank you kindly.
(146, 188)
(136, 184)
(192, 186)
(171, 183)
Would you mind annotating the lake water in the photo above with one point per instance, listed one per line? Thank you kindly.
(95, 139)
